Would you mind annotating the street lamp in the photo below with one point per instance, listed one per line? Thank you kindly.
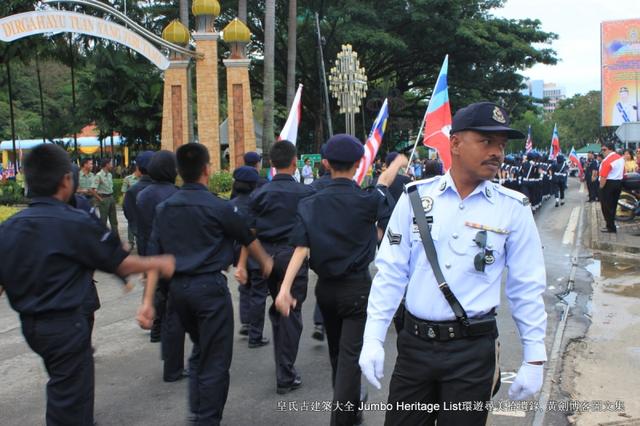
(348, 84)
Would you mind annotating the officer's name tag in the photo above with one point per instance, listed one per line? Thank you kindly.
(487, 228)
(415, 228)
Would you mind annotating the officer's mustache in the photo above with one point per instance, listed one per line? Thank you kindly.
(493, 161)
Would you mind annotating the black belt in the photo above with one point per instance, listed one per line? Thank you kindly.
(105, 195)
(442, 331)
(49, 315)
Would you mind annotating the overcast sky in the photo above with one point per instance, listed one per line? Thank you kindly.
(577, 23)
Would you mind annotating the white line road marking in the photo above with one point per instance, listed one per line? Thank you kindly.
(581, 191)
(570, 232)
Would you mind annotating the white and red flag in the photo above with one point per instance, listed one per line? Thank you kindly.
(373, 143)
(555, 144)
(290, 130)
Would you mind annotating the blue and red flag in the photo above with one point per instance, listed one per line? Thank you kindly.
(437, 123)
(373, 143)
(555, 143)
(573, 157)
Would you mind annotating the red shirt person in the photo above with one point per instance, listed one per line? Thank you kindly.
(611, 173)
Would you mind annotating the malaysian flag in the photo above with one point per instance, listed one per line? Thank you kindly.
(437, 123)
(529, 145)
(373, 143)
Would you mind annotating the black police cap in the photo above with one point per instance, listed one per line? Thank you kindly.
(245, 174)
(143, 159)
(252, 157)
(484, 117)
(344, 148)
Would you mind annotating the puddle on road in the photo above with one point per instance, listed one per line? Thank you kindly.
(607, 267)
(632, 290)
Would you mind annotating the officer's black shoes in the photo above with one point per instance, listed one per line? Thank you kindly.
(154, 337)
(244, 330)
(562, 202)
(183, 375)
(318, 332)
(613, 231)
(259, 343)
(283, 389)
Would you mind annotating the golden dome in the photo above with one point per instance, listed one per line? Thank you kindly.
(205, 7)
(176, 33)
(236, 32)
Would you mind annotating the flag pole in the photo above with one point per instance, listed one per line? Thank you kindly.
(415, 145)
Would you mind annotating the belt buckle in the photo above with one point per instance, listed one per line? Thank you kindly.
(431, 332)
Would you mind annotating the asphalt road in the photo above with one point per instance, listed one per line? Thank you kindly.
(129, 387)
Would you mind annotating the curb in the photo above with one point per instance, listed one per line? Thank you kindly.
(606, 245)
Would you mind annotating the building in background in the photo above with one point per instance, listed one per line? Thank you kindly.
(545, 95)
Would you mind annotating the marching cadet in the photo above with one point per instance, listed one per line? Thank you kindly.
(127, 183)
(253, 288)
(338, 227)
(559, 178)
(129, 203)
(447, 351)
(199, 228)
(49, 252)
(273, 209)
(162, 169)
(253, 159)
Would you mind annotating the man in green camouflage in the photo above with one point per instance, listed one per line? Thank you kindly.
(106, 200)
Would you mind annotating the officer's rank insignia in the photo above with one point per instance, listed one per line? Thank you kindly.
(498, 116)
(431, 333)
(394, 239)
(489, 258)
(525, 201)
(427, 204)
(488, 192)
(443, 186)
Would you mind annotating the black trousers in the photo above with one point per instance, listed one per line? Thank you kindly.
(592, 187)
(286, 330)
(204, 306)
(343, 304)
(558, 188)
(257, 298)
(63, 341)
(443, 373)
(609, 196)
(172, 341)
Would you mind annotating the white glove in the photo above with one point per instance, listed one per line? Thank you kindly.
(528, 382)
(372, 361)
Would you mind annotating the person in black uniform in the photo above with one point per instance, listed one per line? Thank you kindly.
(129, 202)
(162, 169)
(49, 252)
(559, 178)
(199, 228)
(337, 226)
(253, 159)
(591, 176)
(253, 288)
(273, 209)
(318, 185)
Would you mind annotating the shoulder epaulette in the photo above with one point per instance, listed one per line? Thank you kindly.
(518, 196)
(422, 182)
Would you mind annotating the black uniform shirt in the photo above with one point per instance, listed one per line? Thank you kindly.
(592, 165)
(241, 207)
(49, 252)
(129, 202)
(274, 207)
(322, 183)
(198, 228)
(397, 187)
(146, 203)
(338, 224)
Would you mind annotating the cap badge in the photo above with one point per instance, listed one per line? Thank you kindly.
(498, 115)
(427, 204)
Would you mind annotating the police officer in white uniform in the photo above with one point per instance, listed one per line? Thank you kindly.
(478, 228)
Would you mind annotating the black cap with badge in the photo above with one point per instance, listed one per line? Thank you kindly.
(484, 117)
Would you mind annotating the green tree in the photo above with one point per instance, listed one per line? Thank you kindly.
(578, 121)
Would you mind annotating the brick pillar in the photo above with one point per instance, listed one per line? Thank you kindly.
(208, 97)
(242, 137)
(175, 109)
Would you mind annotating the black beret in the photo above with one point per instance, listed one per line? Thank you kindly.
(344, 148)
(252, 157)
(143, 159)
(245, 174)
(484, 117)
